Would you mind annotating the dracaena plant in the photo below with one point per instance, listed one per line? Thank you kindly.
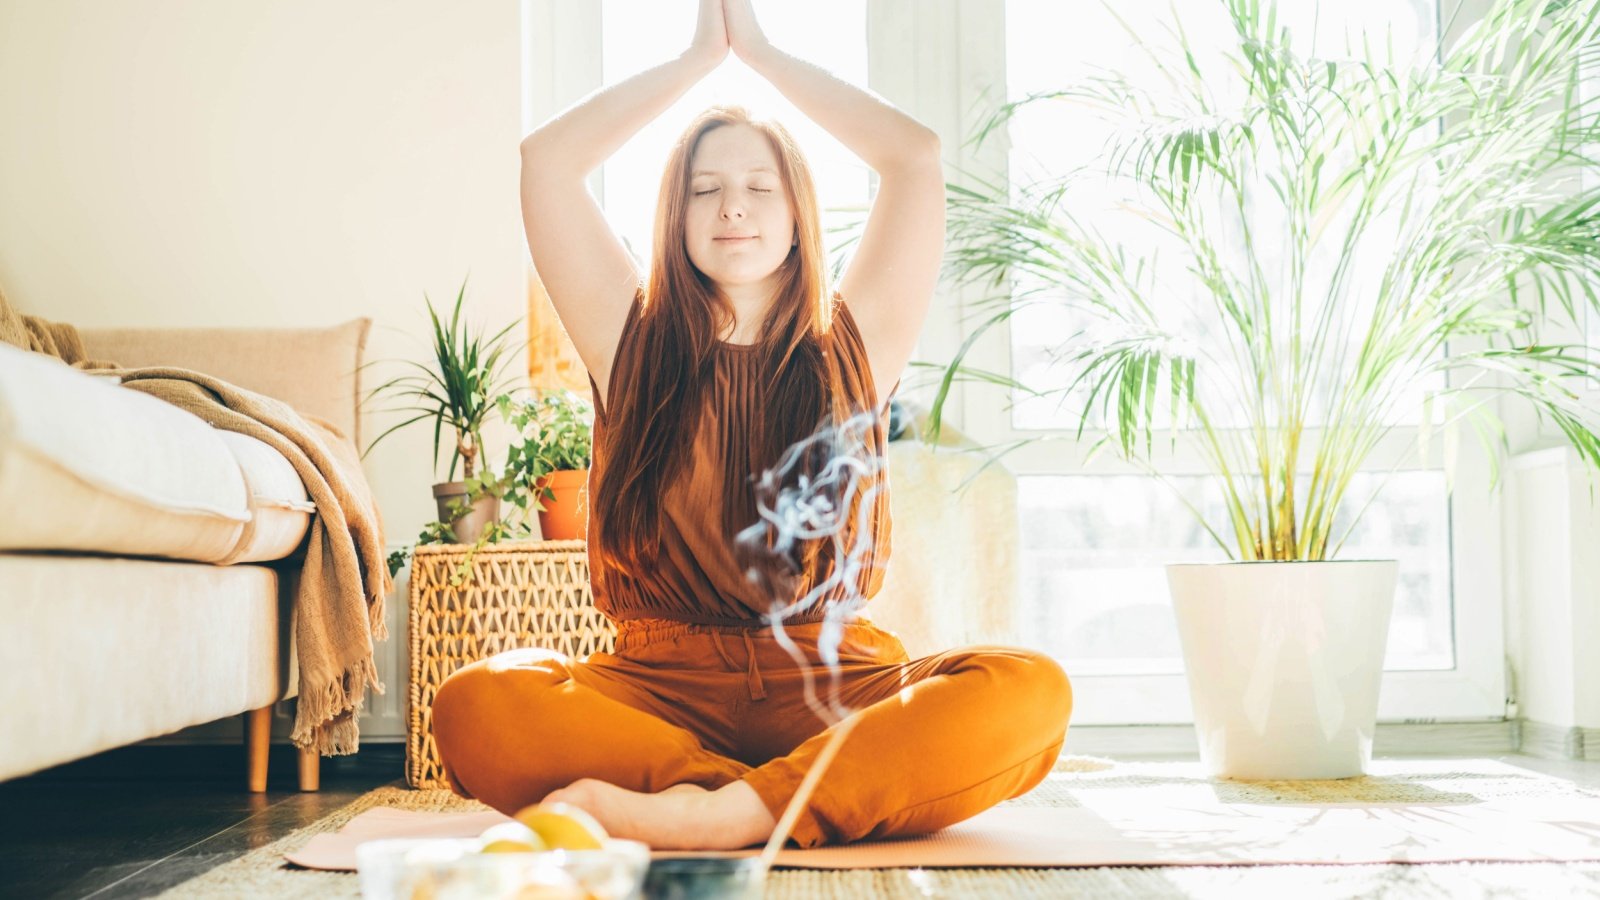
(1463, 184)
(457, 393)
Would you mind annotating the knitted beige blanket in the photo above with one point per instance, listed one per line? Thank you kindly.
(345, 576)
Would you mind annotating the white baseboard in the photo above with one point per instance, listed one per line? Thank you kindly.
(1560, 741)
(1465, 738)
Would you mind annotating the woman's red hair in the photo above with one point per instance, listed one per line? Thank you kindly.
(652, 416)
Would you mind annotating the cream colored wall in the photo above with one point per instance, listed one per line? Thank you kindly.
(194, 162)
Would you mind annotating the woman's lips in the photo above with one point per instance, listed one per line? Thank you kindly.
(737, 239)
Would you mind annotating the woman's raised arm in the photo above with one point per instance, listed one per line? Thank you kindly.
(584, 266)
(890, 280)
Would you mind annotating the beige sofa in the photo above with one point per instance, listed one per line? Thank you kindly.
(147, 559)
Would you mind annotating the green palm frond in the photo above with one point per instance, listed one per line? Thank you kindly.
(1427, 219)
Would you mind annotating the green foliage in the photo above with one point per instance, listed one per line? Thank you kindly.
(456, 393)
(555, 433)
(1467, 184)
(440, 533)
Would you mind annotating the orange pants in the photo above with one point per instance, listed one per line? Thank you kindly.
(939, 739)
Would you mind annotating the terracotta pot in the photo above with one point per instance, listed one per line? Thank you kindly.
(566, 518)
(470, 526)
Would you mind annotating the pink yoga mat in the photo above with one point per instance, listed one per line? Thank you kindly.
(1188, 833)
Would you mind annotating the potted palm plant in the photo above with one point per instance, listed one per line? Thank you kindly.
(457, 394)
(1461, 180)
(549, 468)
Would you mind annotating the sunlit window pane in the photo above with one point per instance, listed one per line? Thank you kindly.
(639, 34)
(1053, 45)
(1094, 551)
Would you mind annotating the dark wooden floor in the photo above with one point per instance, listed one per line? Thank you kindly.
(135, 821)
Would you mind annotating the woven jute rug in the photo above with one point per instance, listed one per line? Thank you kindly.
(264, 873)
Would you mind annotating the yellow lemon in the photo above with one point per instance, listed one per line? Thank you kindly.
(545, 888)
(424, 889)
(563, 826)
(511, 837)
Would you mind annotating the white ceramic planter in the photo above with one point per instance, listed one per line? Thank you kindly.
(1284, 662)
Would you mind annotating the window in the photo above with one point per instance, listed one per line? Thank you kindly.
(1590, 93)
(1096, 536)
(830, 33)
(1095, 533)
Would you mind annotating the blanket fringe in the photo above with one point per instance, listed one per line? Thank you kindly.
(325, 720)
(377, 617)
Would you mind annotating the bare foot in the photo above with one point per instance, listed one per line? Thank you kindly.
(682, 817)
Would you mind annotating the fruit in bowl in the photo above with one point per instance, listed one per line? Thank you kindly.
(548, 852)
(511, 837)
(563, 826)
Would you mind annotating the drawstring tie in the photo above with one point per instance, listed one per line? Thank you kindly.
(758, 691)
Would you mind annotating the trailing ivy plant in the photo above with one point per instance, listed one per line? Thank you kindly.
(555, 431)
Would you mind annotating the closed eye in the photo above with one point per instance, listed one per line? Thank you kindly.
(705, 192)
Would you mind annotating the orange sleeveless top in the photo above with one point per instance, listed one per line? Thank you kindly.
(696, 579)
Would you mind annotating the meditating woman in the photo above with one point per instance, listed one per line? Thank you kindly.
(695, 732)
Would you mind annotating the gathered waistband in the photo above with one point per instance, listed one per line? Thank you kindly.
(633, 632)
(635, 637)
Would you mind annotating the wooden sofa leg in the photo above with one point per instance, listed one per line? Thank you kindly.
(310, 770)
(257, 739)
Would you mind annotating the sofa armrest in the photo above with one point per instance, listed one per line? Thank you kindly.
(314, 370)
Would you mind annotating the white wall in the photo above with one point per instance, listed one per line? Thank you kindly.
(1553, 600)
(224, 163)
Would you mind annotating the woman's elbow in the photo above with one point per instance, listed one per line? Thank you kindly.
(531, 144)
(921, 152)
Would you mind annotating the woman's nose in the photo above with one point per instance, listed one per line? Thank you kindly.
(732, 210)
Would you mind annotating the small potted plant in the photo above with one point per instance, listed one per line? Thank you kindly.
(456, 395)
(548, 467)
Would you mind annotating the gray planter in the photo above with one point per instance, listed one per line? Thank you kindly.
(470, 526)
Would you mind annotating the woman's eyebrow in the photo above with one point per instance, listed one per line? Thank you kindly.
(768, 169)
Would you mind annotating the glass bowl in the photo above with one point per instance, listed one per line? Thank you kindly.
(453, 869)
(705, 878)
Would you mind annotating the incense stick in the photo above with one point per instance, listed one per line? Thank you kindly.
(802, 795)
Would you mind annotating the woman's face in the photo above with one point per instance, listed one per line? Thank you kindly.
(740, 226)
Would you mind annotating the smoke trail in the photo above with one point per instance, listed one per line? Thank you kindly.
(806, 505)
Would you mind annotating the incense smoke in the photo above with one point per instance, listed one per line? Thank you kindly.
(805, 506)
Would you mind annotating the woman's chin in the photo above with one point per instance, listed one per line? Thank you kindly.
(739, 277)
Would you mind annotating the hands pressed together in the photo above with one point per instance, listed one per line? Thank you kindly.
(727, 25)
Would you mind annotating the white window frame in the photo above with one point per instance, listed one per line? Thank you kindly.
(932, 58)
(1589, 92)
(943, 62)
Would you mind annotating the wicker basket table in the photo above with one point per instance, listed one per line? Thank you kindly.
(517, 594)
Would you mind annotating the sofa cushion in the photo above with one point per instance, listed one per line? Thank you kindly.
(99, 652)
(88, 465)
(280, 508)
